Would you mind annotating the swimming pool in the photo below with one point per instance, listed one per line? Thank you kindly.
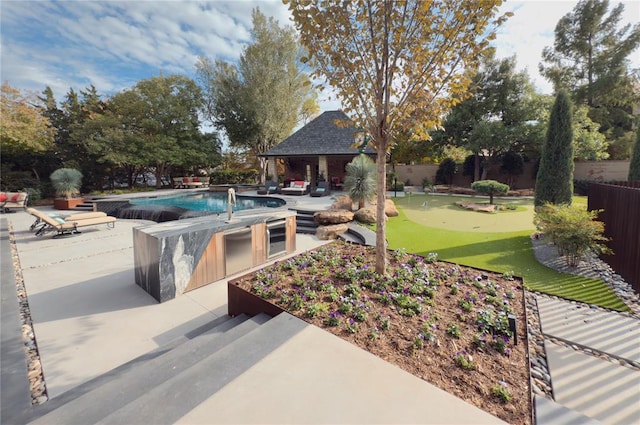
(212, 202)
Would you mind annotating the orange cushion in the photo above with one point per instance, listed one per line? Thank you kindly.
(3, 197)
(196, 180)
(15, 197)
(298, 183)
(185, 180)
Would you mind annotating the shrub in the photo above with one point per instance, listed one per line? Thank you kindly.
(66, 182)
(554, 182)
(234, 177)
(634, 165)
(34, 195)
(575, 231)
(399, 187)
(446, 171)
(490, 187)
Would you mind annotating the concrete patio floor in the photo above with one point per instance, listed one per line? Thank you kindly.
(89, 317)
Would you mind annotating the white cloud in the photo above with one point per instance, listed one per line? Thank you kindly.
(114, 44)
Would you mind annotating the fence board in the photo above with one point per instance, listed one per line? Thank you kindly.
(621, 216)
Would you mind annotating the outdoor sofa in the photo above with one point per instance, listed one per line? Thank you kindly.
(13, 201)
(190, 182)
(297, 188)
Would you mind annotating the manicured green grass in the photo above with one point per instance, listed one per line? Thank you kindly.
(491, 248)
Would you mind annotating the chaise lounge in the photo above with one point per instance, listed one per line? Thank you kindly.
(269, 188)
(323, 189)
(68, 225)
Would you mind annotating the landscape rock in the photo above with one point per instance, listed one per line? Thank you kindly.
(342, 202)
(333, 217)
(366, 214)
(390, 209)
(330, 232)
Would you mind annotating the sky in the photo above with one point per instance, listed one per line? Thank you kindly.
(114, 44)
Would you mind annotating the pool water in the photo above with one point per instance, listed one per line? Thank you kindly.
(211, 202)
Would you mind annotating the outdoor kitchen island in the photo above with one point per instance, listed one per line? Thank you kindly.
(174, 257)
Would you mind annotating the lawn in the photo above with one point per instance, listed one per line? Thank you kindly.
(499, 242)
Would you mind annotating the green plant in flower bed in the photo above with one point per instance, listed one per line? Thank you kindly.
(463, 360)
(316, 309)
(501, 392)
(412, 316)
(453, 330)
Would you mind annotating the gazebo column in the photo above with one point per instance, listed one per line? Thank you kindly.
(323, 168)
(272, 168)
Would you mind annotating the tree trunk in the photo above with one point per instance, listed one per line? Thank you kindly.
(159, 172)
(476, 167)
(381, 241)
(485, 171)
(263, 169)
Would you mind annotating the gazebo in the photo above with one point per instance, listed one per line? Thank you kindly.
(319, 151)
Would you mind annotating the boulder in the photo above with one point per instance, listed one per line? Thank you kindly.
(342, 202)
(390, 209)
(325, 233)
(332, 217)
(366, 214)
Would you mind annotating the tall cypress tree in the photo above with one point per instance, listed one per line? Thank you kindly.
(554, 183)
(634, 165)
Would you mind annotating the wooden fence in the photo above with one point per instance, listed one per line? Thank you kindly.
(621, 216)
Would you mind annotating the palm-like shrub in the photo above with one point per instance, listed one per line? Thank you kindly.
(66, 182)
(360, 181)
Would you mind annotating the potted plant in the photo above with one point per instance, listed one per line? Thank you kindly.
(66, 183)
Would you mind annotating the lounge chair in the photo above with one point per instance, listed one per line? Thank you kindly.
(298, 188)
(70, 218)
(70, 224)
(323, 189)
(269, 188)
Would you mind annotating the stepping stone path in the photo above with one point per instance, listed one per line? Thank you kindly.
(589, 358)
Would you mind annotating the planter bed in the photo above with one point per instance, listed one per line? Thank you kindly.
(444, 323)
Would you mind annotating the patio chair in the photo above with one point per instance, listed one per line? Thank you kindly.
(323, 189)
(269, 188)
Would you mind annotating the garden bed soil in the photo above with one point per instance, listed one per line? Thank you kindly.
(439, 321)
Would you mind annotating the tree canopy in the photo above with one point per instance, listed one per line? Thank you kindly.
(501, 115)
(259, 101)
(395, 66)
(24, 128)
(589, 58)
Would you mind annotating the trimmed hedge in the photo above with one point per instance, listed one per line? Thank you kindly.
(234, 177)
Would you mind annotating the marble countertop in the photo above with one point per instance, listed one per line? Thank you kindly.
(217, 223)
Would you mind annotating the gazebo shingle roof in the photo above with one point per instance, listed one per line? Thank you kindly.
(321, 136)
